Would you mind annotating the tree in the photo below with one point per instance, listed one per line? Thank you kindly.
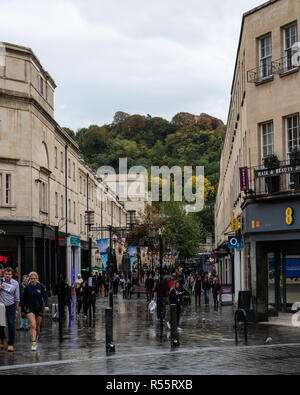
(119, 117)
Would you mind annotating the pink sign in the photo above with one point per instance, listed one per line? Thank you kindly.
(226, 290)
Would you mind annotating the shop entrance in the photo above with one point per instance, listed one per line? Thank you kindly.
(283, 280)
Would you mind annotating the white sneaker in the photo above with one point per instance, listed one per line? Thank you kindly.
(34, 346)
(168, 325)
(179, 329)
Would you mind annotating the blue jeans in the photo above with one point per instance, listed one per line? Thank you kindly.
(10, 316)
(162, 301)
(206, 296)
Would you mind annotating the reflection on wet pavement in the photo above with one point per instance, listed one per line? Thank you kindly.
(207, 345)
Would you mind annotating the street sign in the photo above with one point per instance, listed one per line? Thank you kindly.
(235, 243)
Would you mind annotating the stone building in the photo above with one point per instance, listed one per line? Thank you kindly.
(43, 181)
(263, 121)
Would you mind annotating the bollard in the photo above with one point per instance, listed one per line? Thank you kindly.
(111, 299)
(110, 347)
(174, 332)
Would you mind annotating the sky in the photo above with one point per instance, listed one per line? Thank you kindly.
(157, 57)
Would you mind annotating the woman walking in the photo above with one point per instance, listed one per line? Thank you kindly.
(35, 301)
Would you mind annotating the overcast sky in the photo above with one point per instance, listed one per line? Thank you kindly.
(156, 57)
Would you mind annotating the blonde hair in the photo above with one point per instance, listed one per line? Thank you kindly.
(33, 274)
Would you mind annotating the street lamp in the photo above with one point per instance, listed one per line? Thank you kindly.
(131, 219)
(89, 222)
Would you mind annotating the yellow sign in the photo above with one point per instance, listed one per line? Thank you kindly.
(289, 216)
(235, 226)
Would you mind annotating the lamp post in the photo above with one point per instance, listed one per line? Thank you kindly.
(89, 222)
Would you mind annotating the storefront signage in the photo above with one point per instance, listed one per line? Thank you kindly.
(276, 172)
(235, 243)
(272, 217)
(226, 295)
(244, 179)
(3, 259)
(75, 241)
(222, 251)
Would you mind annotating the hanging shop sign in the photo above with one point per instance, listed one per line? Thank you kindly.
(244, 179)
(235, 243)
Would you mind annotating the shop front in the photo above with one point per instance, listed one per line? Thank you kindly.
(272, 238)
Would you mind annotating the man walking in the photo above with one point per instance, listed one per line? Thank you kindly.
(10, 297)
(161, 292)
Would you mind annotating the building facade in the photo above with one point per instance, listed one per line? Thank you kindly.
(44, 183)
(263, 136)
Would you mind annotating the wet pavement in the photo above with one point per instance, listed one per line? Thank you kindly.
(207, 345)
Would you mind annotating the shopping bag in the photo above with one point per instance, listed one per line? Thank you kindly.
(152, 307)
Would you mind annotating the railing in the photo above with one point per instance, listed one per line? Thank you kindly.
(259, 74)
(286, 64)
(280, 66)
(282, 179)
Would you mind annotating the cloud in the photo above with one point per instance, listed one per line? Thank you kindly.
(156, 57)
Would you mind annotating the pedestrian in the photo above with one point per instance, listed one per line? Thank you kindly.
(10, 297)
(216, 290)
(149, 285)
(206, 288)
(190, 283)
(67, 300)
(85, 299)
(35, 301)
(198, 282)
(106, 285)
(128, 289)
(116, 284)
(78, 282)
(161, 292)
(176, 298)
(24, 323)
(79, 297)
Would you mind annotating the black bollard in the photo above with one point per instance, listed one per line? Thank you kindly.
(110, 347)
(111, 299)
(174, 332)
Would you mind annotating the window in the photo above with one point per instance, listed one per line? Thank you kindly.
(56, 205)
(43, 197)
(267, 136)
(62, 162)
(80, 219)
(69, 168)
(41, 86)
(293, 133)
(265, 56)
(73, 171)
(8, 189)
(84, 187)
(55, 157)
(62, 206)
(290, 38)
(80, 184)
(69, 210)
(74, 212)
(0, 189)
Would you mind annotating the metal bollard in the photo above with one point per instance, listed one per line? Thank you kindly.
(110, 347)
(174, 332)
